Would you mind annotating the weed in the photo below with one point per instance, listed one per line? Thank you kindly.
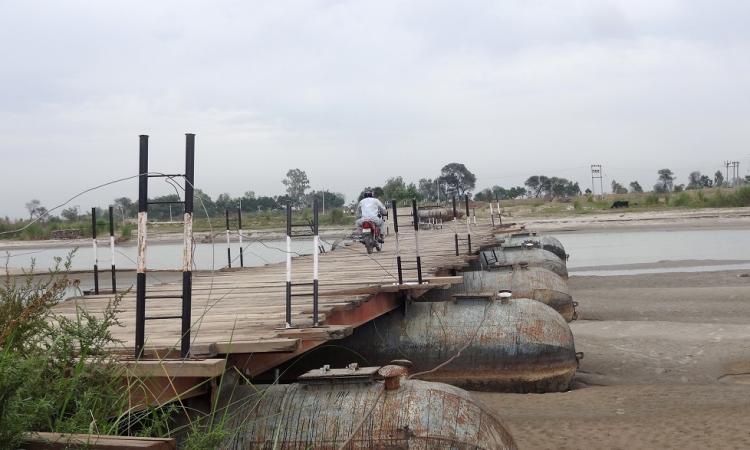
(54, 374)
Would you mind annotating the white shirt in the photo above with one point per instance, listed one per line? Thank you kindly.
(369, 207)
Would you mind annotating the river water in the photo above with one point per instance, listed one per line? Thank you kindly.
(160, 256)
(591, 253)
(656, 251)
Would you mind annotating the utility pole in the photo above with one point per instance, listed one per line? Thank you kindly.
(596, 172)
(736, 172)
(727, 164)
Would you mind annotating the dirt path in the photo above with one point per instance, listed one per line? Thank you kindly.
(666, 366)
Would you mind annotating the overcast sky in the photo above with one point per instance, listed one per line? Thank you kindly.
(354, 92)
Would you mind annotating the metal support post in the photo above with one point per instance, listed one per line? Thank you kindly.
(468, 222)
(316, 256)
(398, 248)
(229, 248)
(140, 290)
(492, 214)
(455, 211)
(415, 214)
(288, 323)
(239, 235)
(96, 255)
(112, 248)
(187, 255)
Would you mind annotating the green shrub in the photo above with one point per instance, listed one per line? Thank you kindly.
(652, 199)
(54, 374)
(126, 231)
(742, 196)
(336, 216)
(681, 200)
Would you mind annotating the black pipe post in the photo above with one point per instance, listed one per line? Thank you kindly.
(415, 214)
(140, 290)
(229, 247)
(187, 263)
(239, 235)
(112, 247)
(398, 249)
(468, 222)
(455, 215)
(316, 252)
(96, 256)
(288, 265)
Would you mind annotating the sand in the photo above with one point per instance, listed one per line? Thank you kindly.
(671, 219)
(667, 365)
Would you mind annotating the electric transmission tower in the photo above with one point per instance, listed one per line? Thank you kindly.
(596, 172)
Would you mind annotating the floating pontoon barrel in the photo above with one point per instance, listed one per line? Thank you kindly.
(548, 243)
(518, 345)
(531, 255)
(536, 283)
(358, 412)
(443, 214)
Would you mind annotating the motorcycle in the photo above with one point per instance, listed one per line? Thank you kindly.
(371, 236)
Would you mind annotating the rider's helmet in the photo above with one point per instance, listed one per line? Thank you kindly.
(368, 193)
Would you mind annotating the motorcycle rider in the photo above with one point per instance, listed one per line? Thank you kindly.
(370, 208)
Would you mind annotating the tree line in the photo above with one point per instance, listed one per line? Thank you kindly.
(666, 182)
(454, 179)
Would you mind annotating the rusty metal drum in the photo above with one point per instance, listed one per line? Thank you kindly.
(531, 255)
(361, 414)
(536, 283)
(546, 242)
(517, 345)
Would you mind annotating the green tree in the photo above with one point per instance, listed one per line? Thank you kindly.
(516, 192)
(666, 179)
(33, 207)
(394, 188)
(617, 188)
(70, 214)
(428, 189)
(636, 187)
(296, 183)
(718, 179)
(694, 180)
(536, 184)
(458, 178)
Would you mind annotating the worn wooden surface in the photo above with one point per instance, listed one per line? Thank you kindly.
(55, 441)
(242, 310)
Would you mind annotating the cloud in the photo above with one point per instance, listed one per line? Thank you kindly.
(355, 92)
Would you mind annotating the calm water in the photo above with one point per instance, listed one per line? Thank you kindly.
(587, 250)
(162, 256)
(590, 250)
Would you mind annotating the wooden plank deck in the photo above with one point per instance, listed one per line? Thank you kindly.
(241, 311)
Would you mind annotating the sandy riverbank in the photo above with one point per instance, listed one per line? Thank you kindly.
(667, 365)
(675, 219)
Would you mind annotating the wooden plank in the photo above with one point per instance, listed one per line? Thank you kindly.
(271, 345)
(207, 368)
(60, 441)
